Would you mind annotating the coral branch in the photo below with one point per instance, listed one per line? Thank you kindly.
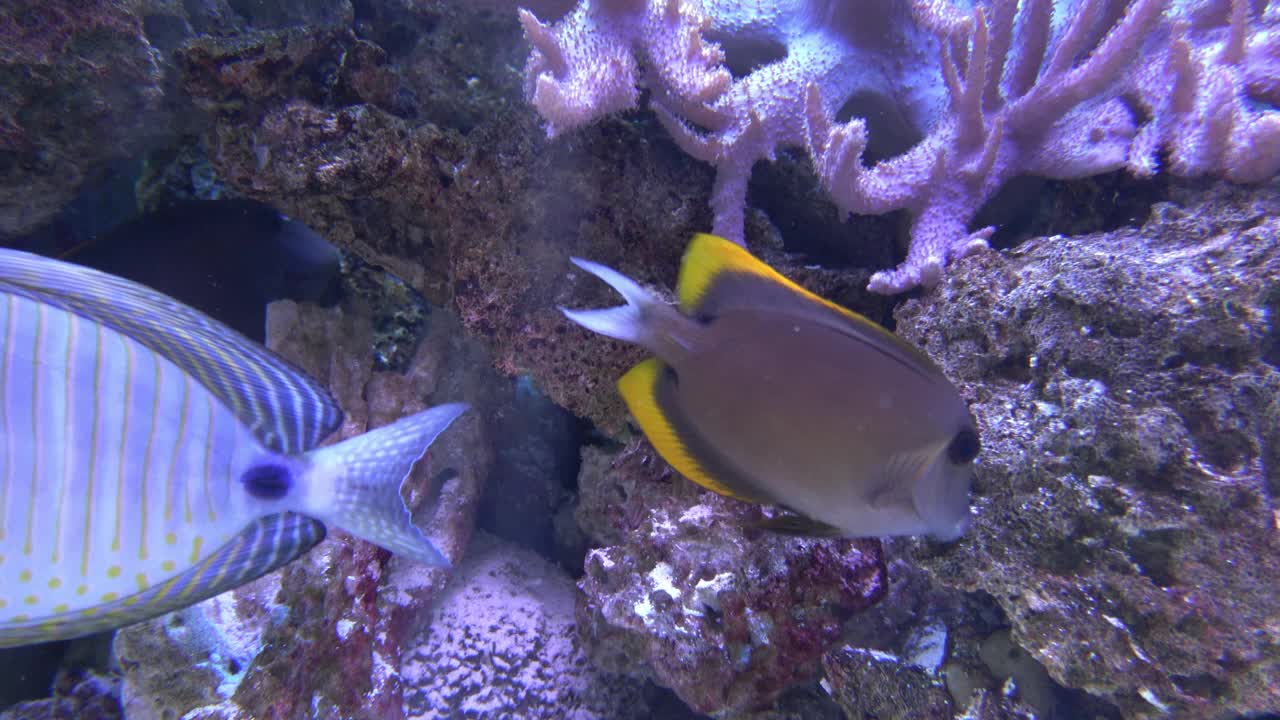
(993, 88)
(1210, 92)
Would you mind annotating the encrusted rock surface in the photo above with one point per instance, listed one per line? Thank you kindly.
(868, 683)
(500, 642)
(80, 86)
(1127, 386)
(198, 656)
(687, 592)
(76, 696)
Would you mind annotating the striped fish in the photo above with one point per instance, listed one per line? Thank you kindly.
(150, 457)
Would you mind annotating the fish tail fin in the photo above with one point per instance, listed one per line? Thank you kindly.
(362, 495)
(633, 322)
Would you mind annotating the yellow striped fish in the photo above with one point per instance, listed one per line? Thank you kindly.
(151, 457)
(765, 392)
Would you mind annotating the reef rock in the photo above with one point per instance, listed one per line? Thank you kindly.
(80, 695)
(1127, 386)
(80, 86)
(414, 152)
(500, 643)
(868, 683)
(324, 636)
(687, 592)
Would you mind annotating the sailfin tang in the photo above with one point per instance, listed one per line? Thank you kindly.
(287, 411)
(367, 472)
(267, 544)
(639, 389)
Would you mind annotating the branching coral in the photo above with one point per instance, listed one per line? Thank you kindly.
(1016, 105)
(1047, 88)
(1212, 93)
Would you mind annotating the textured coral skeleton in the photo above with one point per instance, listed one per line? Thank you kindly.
(1064, 89)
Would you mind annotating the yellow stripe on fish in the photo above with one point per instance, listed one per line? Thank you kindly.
(639, 387)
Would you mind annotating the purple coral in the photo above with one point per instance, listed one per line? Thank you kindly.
(1207, 92)
(1049, 88)
(1018, 104)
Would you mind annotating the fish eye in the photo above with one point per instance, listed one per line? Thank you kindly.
(267, 482)
(964, 447)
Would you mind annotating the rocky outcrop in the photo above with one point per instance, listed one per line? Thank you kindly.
(1127, 387)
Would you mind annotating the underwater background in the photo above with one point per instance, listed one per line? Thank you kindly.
(1070, 206)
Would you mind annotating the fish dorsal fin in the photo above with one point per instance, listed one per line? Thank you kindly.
(711, 261)
(705, 259)
(266, 544)
(285, 409)
(639, 388)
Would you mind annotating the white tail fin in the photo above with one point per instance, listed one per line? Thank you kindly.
(364, 475)
(624, 322)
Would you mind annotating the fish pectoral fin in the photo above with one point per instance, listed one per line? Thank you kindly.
(898, 475)
(799, 525)
(640, 390)
(367, 472)
(889, 496)
(265, 545)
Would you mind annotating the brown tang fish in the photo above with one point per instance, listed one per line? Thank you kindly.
(765, 392)
(151, 457)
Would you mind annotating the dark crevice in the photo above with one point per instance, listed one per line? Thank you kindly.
(1027, 207)
(745, 56)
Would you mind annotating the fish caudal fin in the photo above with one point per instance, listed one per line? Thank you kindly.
(364, 475)
(625, 322)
